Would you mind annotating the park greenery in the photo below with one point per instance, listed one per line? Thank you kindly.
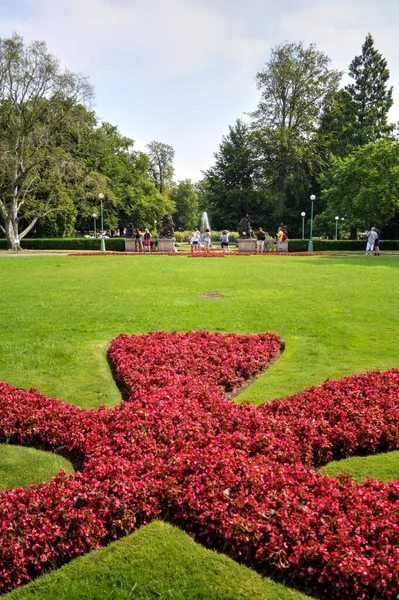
(307, 135)
(70, 308)
(304, 137)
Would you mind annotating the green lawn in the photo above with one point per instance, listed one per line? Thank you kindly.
(336, 315)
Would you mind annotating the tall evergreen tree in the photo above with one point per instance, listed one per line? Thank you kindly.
(369, 94)
(358, 113)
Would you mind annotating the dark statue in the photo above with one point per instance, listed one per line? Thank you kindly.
(244, 228)
(167, 229)
(129, 230)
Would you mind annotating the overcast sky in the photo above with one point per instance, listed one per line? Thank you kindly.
(182, 71)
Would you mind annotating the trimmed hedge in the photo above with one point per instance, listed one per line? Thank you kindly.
(339, 245)
(113, 244)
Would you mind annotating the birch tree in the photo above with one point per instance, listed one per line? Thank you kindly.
(36, 95)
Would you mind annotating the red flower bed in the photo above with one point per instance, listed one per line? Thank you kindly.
(206, 255)
(241, 479)
(287, 254)
(99, 253)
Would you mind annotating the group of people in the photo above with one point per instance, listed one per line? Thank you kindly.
(142, 241)
(281, 239)
(373, 242)
(196, 240)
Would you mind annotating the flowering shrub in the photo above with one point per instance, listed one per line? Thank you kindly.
(241, 479)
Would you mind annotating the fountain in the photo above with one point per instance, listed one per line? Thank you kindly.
(204, 222)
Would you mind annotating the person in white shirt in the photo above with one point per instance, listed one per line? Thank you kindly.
(372, 236)
(224, 240)
(195, 241)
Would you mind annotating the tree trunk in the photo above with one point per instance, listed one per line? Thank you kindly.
(11, 234)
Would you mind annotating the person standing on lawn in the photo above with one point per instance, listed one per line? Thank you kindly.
(224, 240)
(372, 236)
(138, 241)
(195, 242)
(280, 239)
(260, 240)
(147, 240)
(207, 240)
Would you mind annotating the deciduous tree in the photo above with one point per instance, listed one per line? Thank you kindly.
(185, 197)
(36, 96)
(161, 160)
(295, 84)
(364, 186)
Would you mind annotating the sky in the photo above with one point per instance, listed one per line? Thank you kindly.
(182, 71)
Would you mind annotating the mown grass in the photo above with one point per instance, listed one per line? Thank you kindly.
(134, 564)
(20, 466)
(383, 467)
(336, 315)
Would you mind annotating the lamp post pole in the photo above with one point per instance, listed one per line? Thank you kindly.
(303, 214)
(336, 227)
(102, 242)
(310, 245)
(95, 231)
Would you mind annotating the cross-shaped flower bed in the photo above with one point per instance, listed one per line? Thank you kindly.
(241, 479)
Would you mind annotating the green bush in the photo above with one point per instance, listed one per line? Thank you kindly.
(339, 245)
(112, 244)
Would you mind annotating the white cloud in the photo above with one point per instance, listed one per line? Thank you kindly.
(136, 39)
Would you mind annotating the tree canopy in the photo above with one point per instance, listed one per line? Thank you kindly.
(305, 136)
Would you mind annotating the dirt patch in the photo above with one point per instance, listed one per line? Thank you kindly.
(212, 295)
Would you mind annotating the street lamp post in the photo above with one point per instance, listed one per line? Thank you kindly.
(310, 245)
(102, 242)
(336, 227)
(303, 214)
(95, 231)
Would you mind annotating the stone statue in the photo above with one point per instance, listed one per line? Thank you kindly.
(167, 229)
(244, 228)
(129, 230)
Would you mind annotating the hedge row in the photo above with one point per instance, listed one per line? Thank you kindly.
(340, 245)
(114, 244)
(118, 244)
